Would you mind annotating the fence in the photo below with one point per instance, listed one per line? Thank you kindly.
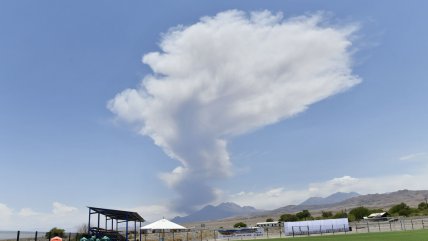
(213, 235)
(34, 236)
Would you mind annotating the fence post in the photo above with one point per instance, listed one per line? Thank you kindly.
(308, 230)
(332, 228)
(214, 235)
(292, 229)
(69, 236)
(423, 226)
(378, 224)
(411, 220)
(368, 228)
(201, 234)
(356, 228)
(344, 228)
(35, 236)
(17, 235)
(390, 226)
(320, 230)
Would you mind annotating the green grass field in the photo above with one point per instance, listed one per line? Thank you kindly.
(418, 235)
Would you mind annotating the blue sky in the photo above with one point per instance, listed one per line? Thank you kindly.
(62, 148)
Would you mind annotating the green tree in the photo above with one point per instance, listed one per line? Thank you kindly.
(55, 232)
(269, 220)
(303, 215)
(360, 212)
(288, 218)
(340, 214)
(401, 209)
(326, 214)
(423, 206)
(240, 225)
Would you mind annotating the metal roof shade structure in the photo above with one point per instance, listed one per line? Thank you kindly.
(164, 225)
(119, 216)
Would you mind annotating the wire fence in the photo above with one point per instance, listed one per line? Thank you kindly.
(213, 235)
(34, 236)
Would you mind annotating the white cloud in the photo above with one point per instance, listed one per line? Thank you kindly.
(415, 156)
(60, 208)
(227, 75)
(5, 213)
(62, 215)
(279, 197)
(26, 212)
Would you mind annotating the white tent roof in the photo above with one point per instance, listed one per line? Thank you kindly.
(162, 225)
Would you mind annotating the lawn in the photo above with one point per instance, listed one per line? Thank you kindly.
(418, 235)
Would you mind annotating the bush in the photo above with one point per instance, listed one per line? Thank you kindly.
(269, 220)
(326, 214)
(240, 225)
(55, 232)
(340, 214)
(422, 206)
(288, 218)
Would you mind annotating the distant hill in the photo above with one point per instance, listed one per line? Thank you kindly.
(221, 211)
(385, 200)
(334, 198)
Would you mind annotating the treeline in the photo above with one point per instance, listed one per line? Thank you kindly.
(358, 213)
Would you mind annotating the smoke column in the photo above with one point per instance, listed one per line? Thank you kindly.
(228, 75)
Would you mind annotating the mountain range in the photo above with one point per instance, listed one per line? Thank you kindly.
(334, 198)
(221, 211)
(334, 202)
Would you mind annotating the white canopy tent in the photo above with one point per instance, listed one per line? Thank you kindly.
(164, 225)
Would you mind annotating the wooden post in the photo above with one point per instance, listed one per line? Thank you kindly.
(17, 235)
(35, 236)
(378, 224)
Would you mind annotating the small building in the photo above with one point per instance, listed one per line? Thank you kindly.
(269, 224)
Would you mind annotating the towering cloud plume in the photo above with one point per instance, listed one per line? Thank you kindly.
(227, 75)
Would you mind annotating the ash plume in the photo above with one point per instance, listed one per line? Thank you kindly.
(228, 75)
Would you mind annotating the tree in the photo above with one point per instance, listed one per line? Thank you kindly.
(303, 215)
(288, 218)
(422, 206)
(269, 220)
(401, 209)
(326, 214)
(55, 232)
(240, 225)
(340, 214)
(82, 229)
(360, 212)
